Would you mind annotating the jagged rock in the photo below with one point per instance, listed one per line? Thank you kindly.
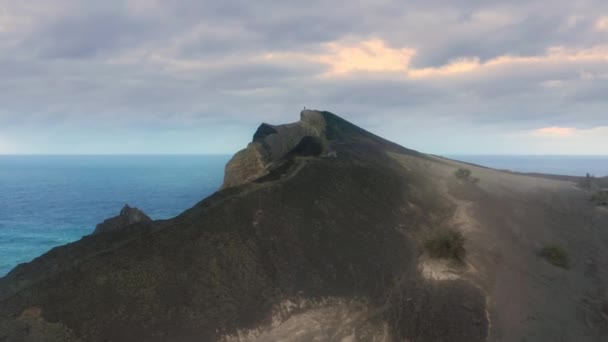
(128, 216)
(245, 165)
(271, 143)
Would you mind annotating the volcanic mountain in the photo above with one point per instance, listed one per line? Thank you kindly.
(323, 231)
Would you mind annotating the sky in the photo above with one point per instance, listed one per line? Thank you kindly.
(199, 76)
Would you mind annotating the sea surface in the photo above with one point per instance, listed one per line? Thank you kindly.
(549, 164)
(47, 201)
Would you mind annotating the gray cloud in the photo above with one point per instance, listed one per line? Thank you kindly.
(154, 65)
(88, 36)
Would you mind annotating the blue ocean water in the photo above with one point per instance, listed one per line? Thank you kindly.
(47, 201)
(550, 164)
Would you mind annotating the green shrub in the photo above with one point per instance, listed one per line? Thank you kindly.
(556, 255)
(446, 244)
(600, 198)
(463, 174)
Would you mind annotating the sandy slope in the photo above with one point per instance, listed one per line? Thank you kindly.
(507, 218)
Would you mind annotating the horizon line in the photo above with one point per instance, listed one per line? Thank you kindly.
(112, 154)
(230, 154)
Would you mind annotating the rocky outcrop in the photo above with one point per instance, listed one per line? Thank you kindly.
(128, 216)
(271, 143)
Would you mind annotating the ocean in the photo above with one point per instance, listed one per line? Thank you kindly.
(550, 164)
(47, 201)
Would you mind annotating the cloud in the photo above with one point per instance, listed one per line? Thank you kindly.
(144, 67)
(563, 140)
(602, 24)
(555, 131)
(88, 35)
(370, 55)
(455, 67)
(342, 58)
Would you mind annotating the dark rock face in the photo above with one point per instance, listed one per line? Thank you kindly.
(263, 131)
(308, 146)
(128, 216)
(271, 144)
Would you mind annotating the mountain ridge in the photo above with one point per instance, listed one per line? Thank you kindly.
(329, 247)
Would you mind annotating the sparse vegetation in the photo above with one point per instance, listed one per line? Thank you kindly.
(446, 244)
(600, 198)
(555, 255)
(465, 175)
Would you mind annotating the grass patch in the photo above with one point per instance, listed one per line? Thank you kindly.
(446, 244)
(555, 255)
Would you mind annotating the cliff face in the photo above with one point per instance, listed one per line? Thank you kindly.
(271, 143)
(319, 233)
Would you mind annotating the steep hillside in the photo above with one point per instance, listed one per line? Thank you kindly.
(321, 232)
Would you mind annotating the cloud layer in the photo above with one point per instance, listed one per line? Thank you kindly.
(137, 76)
